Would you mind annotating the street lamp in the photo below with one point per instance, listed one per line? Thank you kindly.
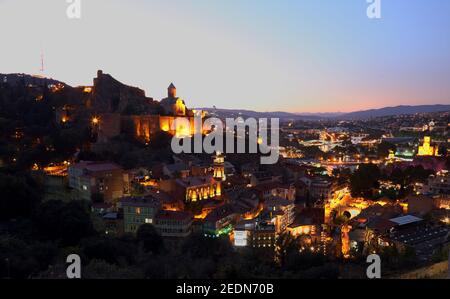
(95, 120)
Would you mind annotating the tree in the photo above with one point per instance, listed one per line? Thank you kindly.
(417, 174)
(285, 245)
(20, 259)
(20, 195)
(384, 148)
(111, 250)
(75, 223)
(342, 174)
(394, 258)
(398, 176)
(341, 219)
(68, 223)
(291, 259)
(98, 269)
(199, 246)
(364, 180)
(149, 238)
(443, 149)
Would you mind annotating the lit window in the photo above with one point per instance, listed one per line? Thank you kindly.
(149, 221)
(138, 211)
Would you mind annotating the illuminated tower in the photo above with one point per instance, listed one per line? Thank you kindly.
(427, 149)
(345, 229)
(42, 64)
(172, 91)
(219, 167)
(391, 155)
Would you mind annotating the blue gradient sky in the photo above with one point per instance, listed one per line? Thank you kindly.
(290, 55)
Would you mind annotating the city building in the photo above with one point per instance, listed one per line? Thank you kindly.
(276, 189)
(179, 169)
(442, 202)
(168, 202)
(193, 189)
(173, 224)
(264, 236)
(420, 204)
(281, 212)
(113, 223)
(173, 105)
(243, 232)
(262, 177)
(220, 221)
(254, 234)
(138, 211)
(303, 229)
(318, 188)
(413, 232)
(105, 179)
(175, 118)
(308, 222)
(439, 183)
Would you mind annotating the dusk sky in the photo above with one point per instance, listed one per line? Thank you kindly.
(277, 55)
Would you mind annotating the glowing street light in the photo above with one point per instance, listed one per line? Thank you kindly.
(95, 120)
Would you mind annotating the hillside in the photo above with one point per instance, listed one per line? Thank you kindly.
(399, 110)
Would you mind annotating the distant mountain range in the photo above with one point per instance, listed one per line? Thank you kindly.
(277, 114)
(357, 115)
(399, 110)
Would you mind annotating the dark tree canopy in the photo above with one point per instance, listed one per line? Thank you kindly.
(364, 180)
(64, 222)
(149, 238)
(20, 195)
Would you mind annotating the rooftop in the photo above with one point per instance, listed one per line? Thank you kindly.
(408, 219)
(220, 213)
(194, 181)
(174, 215)
(97, 166)
(271, 186)
(177, 167)
(277, 201)
(148, 201)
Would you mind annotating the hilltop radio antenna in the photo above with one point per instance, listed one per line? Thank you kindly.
(42, 63)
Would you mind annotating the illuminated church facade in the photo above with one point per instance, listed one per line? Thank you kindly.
(427, 149)
(174, 118)
(177, 119)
